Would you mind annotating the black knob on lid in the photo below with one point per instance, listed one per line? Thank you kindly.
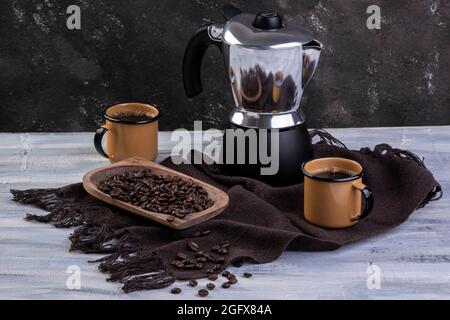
(268, 21)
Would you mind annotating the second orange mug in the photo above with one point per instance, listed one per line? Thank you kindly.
(333, 200)
(126, 138)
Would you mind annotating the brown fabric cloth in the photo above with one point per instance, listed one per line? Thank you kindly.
(261, 221)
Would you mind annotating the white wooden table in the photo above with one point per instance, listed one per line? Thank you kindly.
(414, 258)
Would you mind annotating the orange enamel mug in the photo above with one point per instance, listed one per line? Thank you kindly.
(125, 139)
(335, 203)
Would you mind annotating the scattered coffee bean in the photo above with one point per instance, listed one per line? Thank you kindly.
(215, 248)
(178, 264)
(201, 259)
(203, 292)
(213, 277)
(222, 251)
(209, 271)
(247, 275)
(189, 266)
(193, 246)
(170, 219)
(232, 280)
(217, 267)
(210, 286)
(163, 194)
(230, 276)
(225, 273)
(225, 285)
(193, 283)
(175, 290)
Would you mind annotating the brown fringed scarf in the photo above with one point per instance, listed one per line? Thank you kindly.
(261, 221)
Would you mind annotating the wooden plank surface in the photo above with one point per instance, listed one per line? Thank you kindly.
(414, 258)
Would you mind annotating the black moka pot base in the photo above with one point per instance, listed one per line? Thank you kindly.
(294, 149)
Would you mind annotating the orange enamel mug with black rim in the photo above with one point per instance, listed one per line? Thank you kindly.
(125, 138)
(335, 202)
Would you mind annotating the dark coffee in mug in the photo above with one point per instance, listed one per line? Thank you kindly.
(133, 116)
(333, 174)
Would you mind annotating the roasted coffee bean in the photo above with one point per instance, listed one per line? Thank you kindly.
(179, 264)
(225, 243)
(199, 253)
(225, 273)
(232, 280)
(226, 285)
(170, 219)
(209, 271)
(230, 276)
(222, 251)
(199, 265)
(201, 259)
(197, 234)
(203, 292)
(213, 277)
(193, 246)
(193, 283)
(247, 275)
(215, 248)
(217, 267)
(220, 260)
(210, 286)
(210, 258)
(206, 232)
(175, 290)
(181, 256)
(163, 194)
(189, 266)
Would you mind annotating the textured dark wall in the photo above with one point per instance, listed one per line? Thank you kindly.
(54, 79)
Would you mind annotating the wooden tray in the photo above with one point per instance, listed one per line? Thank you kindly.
(92, 179)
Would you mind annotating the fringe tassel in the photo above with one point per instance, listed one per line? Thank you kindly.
(385, 150)
(326, 138)
(61, 215)
(137, 272)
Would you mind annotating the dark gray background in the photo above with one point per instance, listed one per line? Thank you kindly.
(54, 79)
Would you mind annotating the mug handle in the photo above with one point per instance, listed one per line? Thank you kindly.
(98, 140)
(368, 200)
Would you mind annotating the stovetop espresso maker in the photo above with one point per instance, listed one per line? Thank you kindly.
(269, 64)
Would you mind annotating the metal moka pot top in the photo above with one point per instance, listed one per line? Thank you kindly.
(268, 63)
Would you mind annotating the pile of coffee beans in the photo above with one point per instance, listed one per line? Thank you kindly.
(210, 259)
(170, 195)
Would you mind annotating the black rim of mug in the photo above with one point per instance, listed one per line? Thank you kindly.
(149, 120)
(312, 176)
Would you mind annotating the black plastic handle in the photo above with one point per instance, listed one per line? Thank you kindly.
(230, 11)
(193, 57)
(98, 141)
(368, 202)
